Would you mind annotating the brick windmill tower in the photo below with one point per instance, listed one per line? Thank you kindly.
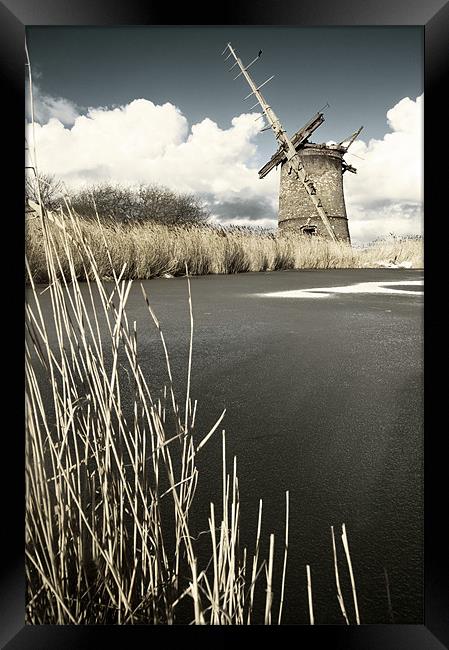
(311, 198)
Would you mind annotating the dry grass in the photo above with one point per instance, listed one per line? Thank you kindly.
(108, 496)
(152, 250)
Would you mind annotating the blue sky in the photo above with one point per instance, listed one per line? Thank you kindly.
(190, 99)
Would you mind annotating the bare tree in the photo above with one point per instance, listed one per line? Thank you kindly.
(110, 200)
(161, 204)
(144, 203)
(50, 189)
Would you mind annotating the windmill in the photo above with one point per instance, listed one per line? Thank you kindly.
(311, 197)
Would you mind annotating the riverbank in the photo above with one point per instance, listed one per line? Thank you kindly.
(148, 250)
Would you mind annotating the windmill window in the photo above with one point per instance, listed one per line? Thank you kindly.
(309, 230)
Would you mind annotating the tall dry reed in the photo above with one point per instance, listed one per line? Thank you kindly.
(109, 494)
(152, 250)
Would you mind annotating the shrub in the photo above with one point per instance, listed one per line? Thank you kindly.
(145, 203)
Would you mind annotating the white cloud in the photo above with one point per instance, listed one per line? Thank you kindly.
(47, 107)
(263, 222)
(144, 142)
(386, 194)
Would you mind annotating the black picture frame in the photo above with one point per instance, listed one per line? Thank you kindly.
(433, 15)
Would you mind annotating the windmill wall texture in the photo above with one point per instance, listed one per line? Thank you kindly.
(324, 166)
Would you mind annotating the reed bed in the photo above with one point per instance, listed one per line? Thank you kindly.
(108, 495)
(152, 250)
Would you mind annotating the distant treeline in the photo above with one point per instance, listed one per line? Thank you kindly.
(120, 203)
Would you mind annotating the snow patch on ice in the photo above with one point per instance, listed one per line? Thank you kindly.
(360, 287)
